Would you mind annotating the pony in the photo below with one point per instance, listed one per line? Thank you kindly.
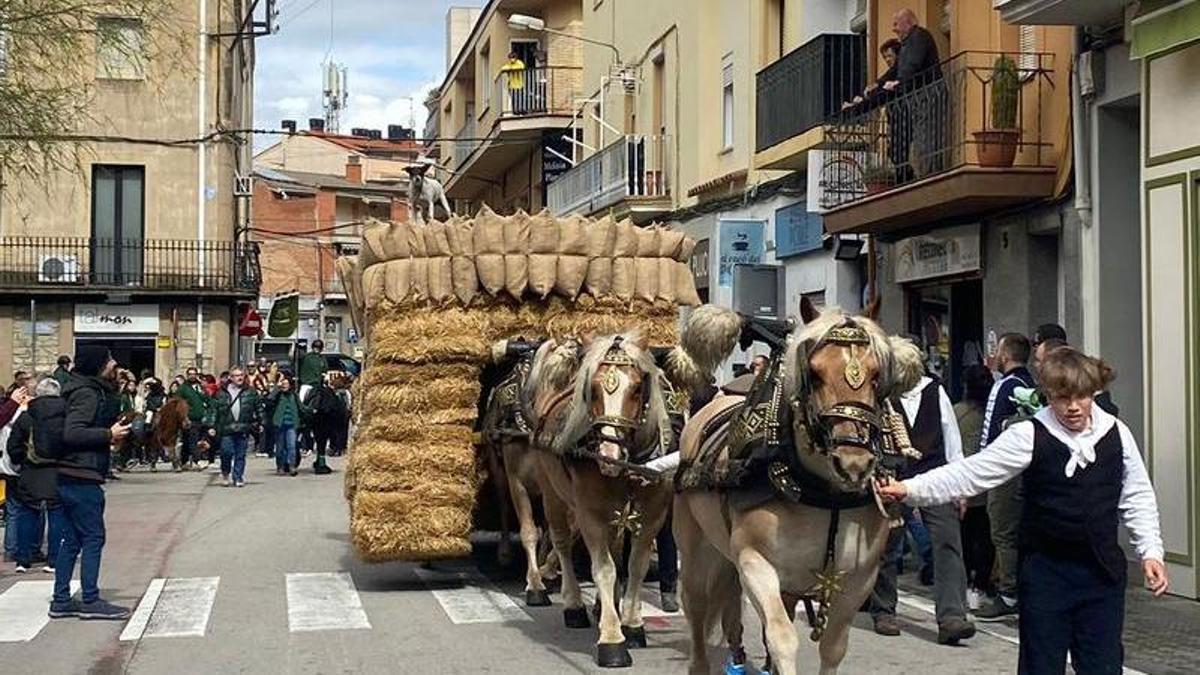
(599, 413)
(816, 531)
(169, 423)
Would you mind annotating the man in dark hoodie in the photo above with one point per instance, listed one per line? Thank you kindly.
(89, 431)
(34, 443)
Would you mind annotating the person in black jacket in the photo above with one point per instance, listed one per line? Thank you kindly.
(90, 430)
(34, 442)
(921, 118)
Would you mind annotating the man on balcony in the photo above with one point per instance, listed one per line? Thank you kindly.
(514, 75)
(920, 119)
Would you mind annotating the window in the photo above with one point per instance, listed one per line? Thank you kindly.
(117, 224)
(1029, 61)
(727, 103)
(659, 119)
(120, 49)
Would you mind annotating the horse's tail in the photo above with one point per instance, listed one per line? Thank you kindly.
(708, 338)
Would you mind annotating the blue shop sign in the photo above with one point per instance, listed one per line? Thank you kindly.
(741, 244)
(797, 230)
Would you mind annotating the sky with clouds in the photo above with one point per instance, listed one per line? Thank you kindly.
(393, 49)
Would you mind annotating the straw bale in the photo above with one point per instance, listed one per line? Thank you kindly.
(647, 242)
(602, 238)
(646, 276)
(419, 277)
(373, 250)
(488, 235)
(666, 279)
(441, 279)
(516, 233)
(375, 285)
(407, 373)
(685, 286)
(572, 271)
(415, 235)
(465, 278)
(686, 249)
(398, 274)
(399, 429)
(573, 235)
(626, 243)
(436, 242)
(543, 233)
(599, 280)
(516, 273)
(669, 243)
(450, 334)
(543, 270)
(421, 398)
(624, 278)
(490, 268)
(389, 526)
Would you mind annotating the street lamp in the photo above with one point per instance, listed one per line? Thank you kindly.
(523, 22)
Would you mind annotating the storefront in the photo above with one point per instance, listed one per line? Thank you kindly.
(129, 331)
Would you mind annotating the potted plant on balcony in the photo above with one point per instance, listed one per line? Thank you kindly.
(997, 144)
(877, 178)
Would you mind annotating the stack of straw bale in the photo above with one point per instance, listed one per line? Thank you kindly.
(431, 299)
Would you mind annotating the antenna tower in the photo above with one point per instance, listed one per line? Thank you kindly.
(334, 94)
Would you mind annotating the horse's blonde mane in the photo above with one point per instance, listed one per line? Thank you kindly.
(578, 422)
(814, 330)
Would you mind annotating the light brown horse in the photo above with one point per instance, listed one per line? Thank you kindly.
(838, 370)
(595, 435)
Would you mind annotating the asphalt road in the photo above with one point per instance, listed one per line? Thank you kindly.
(262, 580)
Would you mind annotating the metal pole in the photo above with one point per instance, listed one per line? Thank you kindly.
(33, 335)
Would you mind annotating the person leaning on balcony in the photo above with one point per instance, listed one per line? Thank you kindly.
(889, 50)
(514, 74)
(921, 121)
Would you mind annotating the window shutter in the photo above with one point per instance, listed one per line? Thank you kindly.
(1028, 46)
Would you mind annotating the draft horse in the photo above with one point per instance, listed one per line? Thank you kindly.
(596, 429)
(804, 521)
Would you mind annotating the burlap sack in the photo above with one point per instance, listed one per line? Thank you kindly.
(666, 279)
(573, 236)
(602, 238)
(466, 279)
(543, 270)
(516, 233)
(599, 281)
(375, 285)
(685, 286)
(461, 236)
(572, 271)
(488, 235)
(398, 274)
(395, 241)
(516, 274)
(646, 275)
(669, 243)
(441, 279)
(647, 242)
(490, 268)
(626, 243)
(686, 249)
(543, 235)
(624, 278)
(372, 250)
(436, 243)
(420, 277)
(416, 239)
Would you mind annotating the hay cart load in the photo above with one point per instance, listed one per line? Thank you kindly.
(432, 299)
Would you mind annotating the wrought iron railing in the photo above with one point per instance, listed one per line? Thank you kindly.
(147, 265)
(807, 86)
(634, 166)
(980, 109)
(536, 91)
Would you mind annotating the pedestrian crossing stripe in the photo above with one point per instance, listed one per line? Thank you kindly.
(23, 609)
(475, 600)
(324, 601)
(173, 608)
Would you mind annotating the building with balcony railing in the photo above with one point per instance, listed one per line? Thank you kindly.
(627, 178)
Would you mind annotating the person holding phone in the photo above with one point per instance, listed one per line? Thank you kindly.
(90, 430)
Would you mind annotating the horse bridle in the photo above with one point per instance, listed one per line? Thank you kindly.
(820, 423)
(626, 427)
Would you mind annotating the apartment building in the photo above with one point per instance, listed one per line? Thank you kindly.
(138, 248)
(504, 124)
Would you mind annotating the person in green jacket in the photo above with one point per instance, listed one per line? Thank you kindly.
(198, 413)
(288, 420)
(238, 415)
(63, 372)
(313, 366)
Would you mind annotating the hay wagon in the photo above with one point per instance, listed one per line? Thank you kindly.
(431, 300)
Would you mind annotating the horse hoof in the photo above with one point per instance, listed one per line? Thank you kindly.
(635, 637)
(613, 656)
(535, 598)
(576, 617)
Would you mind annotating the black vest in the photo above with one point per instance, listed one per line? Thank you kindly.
(925, 433)
(1074, 518)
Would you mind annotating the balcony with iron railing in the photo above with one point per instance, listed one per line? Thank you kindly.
(798, 93)
(628, 176)
(960, 140)
(548, 90)
(83, 264)
(465, 142)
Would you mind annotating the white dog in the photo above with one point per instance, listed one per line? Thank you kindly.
(423, 192)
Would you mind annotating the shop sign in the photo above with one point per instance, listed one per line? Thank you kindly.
(164, 342)
(797, 230)
(741, 244)
(945, 252)
(116, 319)
(555, 146)
(700, 264)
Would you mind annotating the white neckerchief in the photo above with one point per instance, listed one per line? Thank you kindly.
(1082, 444)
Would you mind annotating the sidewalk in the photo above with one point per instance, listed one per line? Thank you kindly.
(1162, 635)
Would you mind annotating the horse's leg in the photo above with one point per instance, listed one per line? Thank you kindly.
(557, 517)
(500, 475)
(658, 501)
(611, 651)
(535, 589)
(698, 562)
(761, 582)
